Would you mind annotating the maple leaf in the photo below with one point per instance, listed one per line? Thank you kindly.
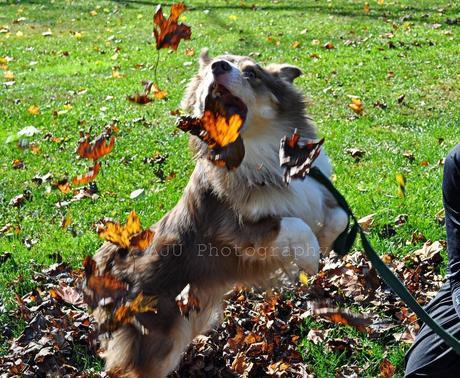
(168, 32)
(89, 176)
(221, 136)
(97, 148)
(129, 235)
(296, 159)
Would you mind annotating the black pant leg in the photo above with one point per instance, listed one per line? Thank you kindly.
(429, 356)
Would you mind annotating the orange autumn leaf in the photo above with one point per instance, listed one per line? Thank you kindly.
(34, 109)
(89, 176)
(387, 369)
(96, 148)
(129, 235)
(169, 32)
(126, 312)
(101, 287)
(214, 129)
(220, 130)
(142, 240)
(63, 186)
(158, 93)
(356, 105)
(341, 316)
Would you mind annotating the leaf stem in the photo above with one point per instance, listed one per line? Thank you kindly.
(156, 68)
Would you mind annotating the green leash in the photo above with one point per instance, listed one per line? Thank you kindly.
(343, 245)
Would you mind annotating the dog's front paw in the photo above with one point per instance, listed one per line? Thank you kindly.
(298, 243)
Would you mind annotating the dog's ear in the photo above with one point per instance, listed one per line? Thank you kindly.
(205, 59)
(284, 71)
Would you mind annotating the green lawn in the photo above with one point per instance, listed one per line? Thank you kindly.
(401, 59)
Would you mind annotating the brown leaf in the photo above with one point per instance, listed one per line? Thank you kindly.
(67, 294)
(62, 185)
(356, 153)
(18, 164)
(297, 159)
(187, 301)
(366, 222)
(89, 176)
(387, 370)
(341, 316)
(168, 32)
(140, 98)
(96, 148)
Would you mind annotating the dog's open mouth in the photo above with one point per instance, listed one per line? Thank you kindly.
(219, 126)
(221, 102)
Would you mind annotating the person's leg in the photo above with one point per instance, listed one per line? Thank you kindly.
(429, 356)
(451, 197)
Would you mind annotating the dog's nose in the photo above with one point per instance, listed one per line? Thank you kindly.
(219, 67)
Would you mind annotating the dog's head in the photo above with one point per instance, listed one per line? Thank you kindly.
(262, 95)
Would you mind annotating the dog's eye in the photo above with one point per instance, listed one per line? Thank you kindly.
(249, 73)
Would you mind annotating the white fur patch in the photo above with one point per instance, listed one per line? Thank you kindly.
(297, 243)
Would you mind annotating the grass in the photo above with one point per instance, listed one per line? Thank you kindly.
(73, 66)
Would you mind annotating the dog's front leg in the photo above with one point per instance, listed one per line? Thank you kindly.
(297, 242)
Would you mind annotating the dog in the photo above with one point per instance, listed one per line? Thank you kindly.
(230, 226)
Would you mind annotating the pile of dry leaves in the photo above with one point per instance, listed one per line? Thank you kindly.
(260, 332)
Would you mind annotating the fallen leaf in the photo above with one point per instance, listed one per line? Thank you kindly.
(356, 153)
(387, 370)
(158, 93)
(34, 109)
(366, 7)
(67, 294)
(366, 222)
(329, 46)
(189, 51)
(18, 164)
(401, 181)
(356, 105)
(8, 75)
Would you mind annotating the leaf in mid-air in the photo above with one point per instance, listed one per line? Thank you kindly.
(88, 176)
(169, 32)
(96, 148)
(129, 235)
(298, 159)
